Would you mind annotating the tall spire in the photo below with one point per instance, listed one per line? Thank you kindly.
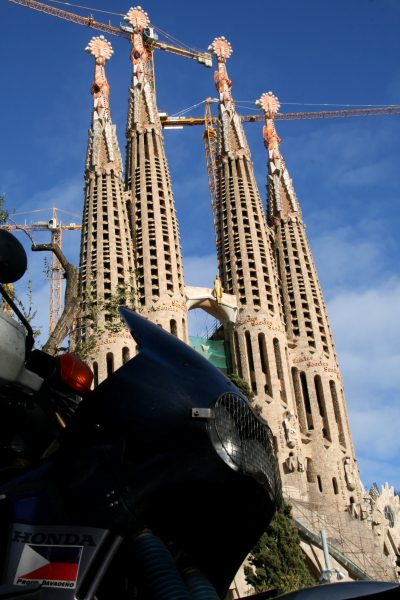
(244, 246)
(316, 378)
(151, 203)
(282, 198)
(106, 259)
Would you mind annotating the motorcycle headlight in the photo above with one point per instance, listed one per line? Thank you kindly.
(247, 442)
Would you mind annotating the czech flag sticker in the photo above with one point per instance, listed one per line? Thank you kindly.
(52, 566)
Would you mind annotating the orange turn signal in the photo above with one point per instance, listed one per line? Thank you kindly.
(75, 373)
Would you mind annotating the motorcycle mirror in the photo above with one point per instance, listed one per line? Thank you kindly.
(13, 259)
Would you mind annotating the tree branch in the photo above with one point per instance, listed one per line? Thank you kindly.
(72, 303)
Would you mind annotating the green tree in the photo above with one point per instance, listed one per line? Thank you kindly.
(277, 560)
(4, 214)
(242, 386)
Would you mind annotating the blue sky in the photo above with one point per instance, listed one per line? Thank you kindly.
(345, 171)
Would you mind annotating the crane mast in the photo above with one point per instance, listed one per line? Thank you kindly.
(56, 228)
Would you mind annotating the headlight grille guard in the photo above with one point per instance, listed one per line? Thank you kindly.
(248, 442)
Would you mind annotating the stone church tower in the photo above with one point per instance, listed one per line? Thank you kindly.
(154, 224)
(317, 383)
(281, 341)
(106, 259)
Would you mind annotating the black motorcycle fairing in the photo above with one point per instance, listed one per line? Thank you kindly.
(168, 473)
(375, 590)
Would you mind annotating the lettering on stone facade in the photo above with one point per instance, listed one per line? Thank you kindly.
(269, 324)
(174, 306)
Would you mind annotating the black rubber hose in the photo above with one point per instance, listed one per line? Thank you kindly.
(198, 585)
(157, 577)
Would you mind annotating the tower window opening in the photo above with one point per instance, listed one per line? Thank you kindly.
(126, 355)
(319, 483)
(299, 400)
(279, 368)
(306, 400)
(110, 363)
(173, 327)
(250, 360)
(336, 410)
(96, 374)
(264, 363)
(335, 485)
(320, 395)
(237, 354)
(184, 329)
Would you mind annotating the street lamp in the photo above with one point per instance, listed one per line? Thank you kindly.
(327, 571)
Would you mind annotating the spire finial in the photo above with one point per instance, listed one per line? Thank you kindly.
(101, 49)
(269, 104)
(137, 18)
(221, 48)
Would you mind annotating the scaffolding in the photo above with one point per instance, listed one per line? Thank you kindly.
(352, 542)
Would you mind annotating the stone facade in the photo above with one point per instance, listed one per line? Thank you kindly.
(154, 223)
(281, 340)
(106, 258)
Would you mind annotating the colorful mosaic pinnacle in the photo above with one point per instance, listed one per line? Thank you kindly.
(137, 18)
(221, 48)
(269, 104)
(100, 48)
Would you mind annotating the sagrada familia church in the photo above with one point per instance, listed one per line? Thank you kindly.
(267, 298)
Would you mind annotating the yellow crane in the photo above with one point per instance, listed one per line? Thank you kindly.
(150, 37)
(55, 226)
(210, 135)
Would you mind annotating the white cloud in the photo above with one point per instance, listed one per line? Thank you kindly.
(366, 326)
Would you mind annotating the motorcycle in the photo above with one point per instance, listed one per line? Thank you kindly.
(161, 481)
(155, 485)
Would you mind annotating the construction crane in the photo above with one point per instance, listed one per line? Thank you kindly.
(56, 227)
(150, 37)
(179, 122)
(210, 135)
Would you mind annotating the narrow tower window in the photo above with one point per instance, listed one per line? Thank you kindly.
(299, 400)
(184, 329)
(319, 483)
(173, 327)
(336, 410)
(126, 355)
(279, 368)
(320, 395)
(335, 485)
(319, 390)
(264, 363)
(237, 354)
(96, 374)
(306, 399)
(110, 363)
(250, 360)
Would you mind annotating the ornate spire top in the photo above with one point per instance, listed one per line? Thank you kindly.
(269, 104)
(103, 152)
(221, 48)
(234, 140)
(101, 49)
(137, 18)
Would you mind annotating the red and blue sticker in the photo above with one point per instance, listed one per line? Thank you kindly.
(52, 566)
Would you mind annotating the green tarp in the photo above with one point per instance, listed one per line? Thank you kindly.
(215, 351)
